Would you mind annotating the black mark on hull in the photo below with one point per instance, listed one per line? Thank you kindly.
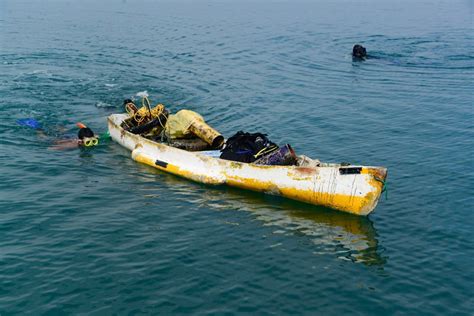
(161, 163)
(354, 170)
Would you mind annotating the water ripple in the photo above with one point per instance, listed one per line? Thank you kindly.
(91, 231)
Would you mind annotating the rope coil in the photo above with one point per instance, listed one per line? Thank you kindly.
(145, 112)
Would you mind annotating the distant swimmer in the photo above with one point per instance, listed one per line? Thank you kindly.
(359, 52)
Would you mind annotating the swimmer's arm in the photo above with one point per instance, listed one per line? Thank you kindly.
(64, 144)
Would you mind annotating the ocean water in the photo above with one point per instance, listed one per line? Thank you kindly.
(93, 232)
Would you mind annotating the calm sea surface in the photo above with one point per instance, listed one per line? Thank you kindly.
(91, 231)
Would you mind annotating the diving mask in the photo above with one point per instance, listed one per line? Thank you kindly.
(90, 141)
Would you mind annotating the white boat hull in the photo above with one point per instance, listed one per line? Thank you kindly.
(353, 189)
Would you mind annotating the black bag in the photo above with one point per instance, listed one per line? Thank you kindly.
(247, 147)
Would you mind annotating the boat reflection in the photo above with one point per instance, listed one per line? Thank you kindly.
(347, 236)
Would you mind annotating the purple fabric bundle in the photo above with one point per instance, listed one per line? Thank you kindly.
(284, 156)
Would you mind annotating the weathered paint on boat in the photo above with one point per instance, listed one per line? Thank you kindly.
(356, 193)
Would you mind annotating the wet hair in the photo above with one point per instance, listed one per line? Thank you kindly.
(359, 51)
(85, 132)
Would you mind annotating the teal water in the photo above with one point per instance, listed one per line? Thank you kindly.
(91, 231)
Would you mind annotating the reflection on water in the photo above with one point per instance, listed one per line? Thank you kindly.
(349, 237)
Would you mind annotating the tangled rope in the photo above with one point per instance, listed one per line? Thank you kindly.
(145, 112)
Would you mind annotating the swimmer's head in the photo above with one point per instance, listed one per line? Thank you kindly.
(86, 136)
(85, 132)
(359, 51)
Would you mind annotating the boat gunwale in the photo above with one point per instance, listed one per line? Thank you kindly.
(230, 163)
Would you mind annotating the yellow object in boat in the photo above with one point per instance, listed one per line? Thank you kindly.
(186, 122)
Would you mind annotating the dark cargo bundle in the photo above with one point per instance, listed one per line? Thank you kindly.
(247, 147)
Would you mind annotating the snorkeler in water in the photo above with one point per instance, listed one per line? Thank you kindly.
(85, 136)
